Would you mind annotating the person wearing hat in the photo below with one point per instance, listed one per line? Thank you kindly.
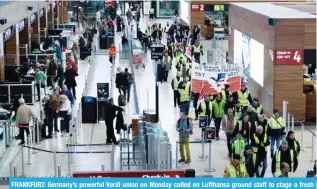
(235, 169)
(292, 142)
(218, 107)
(239, 145)
(175, 83)
(226, 92)
(257, 106)
(250, 158)
(259, 143)
(228, 124)
(244, 97)
(284, 154)
(285, 171)
(245, 128)
(275, 130)
(238, 110)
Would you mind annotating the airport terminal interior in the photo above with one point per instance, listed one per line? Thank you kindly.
(174, 71)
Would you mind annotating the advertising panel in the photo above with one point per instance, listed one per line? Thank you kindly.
(289, 57)
(133, 174)
(250, 54)
(198, 8)
(211, 79)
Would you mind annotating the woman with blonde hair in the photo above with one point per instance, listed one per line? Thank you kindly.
(64, 111)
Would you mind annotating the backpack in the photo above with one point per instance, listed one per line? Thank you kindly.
(130, 79)
(191, 132)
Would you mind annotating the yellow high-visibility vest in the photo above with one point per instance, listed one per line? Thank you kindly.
(243, 98)
(234, 121)
(257, 141)
(184, 95)
(176, 83)
(223, 95)
(238, 114)
(276, 123)
(234, 173)
(258, 109)
(196, 49)
(278, 162)
(204, 107)
(149, 31)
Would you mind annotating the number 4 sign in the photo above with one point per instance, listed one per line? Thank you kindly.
(289, 57)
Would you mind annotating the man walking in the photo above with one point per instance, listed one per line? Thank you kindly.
(126, 84)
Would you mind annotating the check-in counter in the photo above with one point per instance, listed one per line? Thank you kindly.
(9, 90)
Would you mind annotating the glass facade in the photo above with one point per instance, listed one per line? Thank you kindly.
(166, 8)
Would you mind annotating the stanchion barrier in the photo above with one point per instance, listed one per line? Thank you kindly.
(302, 136)
(288, 128)
(202, 156)
(209, 170)
(313, 156)
(59, 171)
(55, 163)
(177, 150)
(22, 160)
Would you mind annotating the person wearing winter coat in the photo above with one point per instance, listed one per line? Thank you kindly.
(293, 142)
(110, 115)
(51, 73)
(119, 80)
(70, 80)
(120, 122)
(60, 74)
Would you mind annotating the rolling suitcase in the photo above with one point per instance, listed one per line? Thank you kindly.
(121, 100)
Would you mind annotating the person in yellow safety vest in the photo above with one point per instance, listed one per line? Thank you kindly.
(245, 127)
(218, 110)
(260, 143)
(275, 130)
(244, 97)
(179, 59)
(226, 92)
(238, 110)
(292, 142)
(183, 68)
(197, 49)
(205, 109)
(285, 171)
(183, 97)
(239, 145)
(250, 158)
(151, 13)
(166, 66)
(228, 124)
(235, 169)
(187, 84)
(166, 28)
(175, 83)
(257, 106)
(169, 48)
(284, 154)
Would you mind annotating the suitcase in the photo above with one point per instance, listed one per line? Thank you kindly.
(121, 100)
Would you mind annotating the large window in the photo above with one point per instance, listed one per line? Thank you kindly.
(184, 11)
(250, 54)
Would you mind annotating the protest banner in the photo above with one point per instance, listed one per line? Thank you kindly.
(211, 78)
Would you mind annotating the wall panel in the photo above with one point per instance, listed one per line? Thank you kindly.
(310, 34)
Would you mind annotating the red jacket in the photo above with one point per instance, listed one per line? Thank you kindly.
(73, 64)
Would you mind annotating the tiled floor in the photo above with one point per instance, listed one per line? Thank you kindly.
(42, 163)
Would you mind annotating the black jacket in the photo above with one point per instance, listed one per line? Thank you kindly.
(51, 71)
(125, 80)
(285, 157)
(253, 117)
(157, 34)
(119, 79)
(119, 122)
(70, 75)
(110, 111)
(263, 124)
(291, 145)
(48, 110)
(228, 105)
(245, 127)
(261, 149)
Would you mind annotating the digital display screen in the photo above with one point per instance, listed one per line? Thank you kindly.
(250, 54)
(219, 8)
(88, 99)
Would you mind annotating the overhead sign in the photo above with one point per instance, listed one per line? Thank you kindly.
(109, 3)
(202, 121)
(132, 174)
(210, 133)
(157, 52)
(32, 18)
(198, 8)
(211, 79)
(8, 33)
(20, 26)
(289, 57)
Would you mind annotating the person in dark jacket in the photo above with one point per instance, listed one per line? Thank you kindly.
(249, 161)
(156, 34)
(262, 121)
(47, 42)
(67, 93)
(292, 142)
(51, 73)
(119, 80)
(260, 143)
(253, 116)
(70, 80)
(120, 122)
(60, 74)
(127, 81)
(245, 127)
(110, 114)
(229, 104)
(48, 110)
(284, 154)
